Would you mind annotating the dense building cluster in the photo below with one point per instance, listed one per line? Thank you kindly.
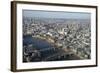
(66, 34)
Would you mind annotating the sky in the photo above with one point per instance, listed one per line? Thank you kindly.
(56, 14)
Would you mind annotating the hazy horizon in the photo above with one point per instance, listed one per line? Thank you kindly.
(56, 14)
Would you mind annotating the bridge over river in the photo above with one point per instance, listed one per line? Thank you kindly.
(58, 54)
(46, 51)
(61, 55)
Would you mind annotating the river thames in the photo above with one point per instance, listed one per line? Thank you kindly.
(45, 51)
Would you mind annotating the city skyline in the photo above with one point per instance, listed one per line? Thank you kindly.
(56, 36)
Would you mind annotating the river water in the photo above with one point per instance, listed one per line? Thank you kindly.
(41, 44)
(37, 42)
